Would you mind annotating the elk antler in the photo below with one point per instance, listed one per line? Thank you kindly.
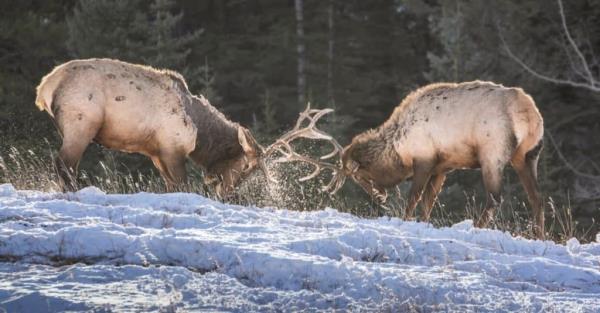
(283, 146)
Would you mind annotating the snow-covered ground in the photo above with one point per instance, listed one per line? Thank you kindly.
(88, 251)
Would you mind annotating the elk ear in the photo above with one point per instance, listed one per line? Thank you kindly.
(246, 140)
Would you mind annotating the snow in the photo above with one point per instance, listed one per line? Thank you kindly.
(90, 251)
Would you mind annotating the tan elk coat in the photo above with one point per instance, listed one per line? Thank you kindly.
(136, 108)
(447, 126)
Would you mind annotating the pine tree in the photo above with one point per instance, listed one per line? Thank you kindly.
(162, 46)
(31, 43)
(463, 55)
(105, 28)
(206, 82)
(140, 32)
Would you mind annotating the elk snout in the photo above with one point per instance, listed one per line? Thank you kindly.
(378, 193)
(353, 169)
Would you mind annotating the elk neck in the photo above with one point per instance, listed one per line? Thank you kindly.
(217, 137)
(375, 149)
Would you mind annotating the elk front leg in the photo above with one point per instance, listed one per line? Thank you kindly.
(431, 192)
(172, 169)
(174, 164)
(422, 173)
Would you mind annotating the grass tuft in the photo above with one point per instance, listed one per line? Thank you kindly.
(29, 169)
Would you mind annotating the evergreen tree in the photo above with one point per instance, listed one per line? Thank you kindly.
(32, 34)
(106, 28)
(134, 31)
(206, 81)
(160, 40)
(464, 53)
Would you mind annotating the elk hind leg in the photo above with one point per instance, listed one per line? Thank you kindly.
(76, 138)
(526, 168)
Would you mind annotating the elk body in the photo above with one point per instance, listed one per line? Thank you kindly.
(135, 108)
(447, 126)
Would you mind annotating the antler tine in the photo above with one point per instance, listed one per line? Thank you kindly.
(289, 155)
(310, 131)
(317, 115)
(336, 183)
(303, 115)
(306, 114)
(337, 148)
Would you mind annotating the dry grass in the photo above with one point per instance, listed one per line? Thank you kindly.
(33, 170)
(26, 170)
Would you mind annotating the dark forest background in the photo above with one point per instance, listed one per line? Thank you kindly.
(260, 61)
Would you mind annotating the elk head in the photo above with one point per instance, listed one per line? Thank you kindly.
(363, 172)
(229, 173)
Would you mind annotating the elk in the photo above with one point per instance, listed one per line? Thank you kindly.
(136, 108)
(442, 127)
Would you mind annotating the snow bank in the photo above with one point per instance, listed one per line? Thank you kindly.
(155, 251)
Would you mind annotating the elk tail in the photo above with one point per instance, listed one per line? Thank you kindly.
(532, 132)
(45, 91)
(42, 104)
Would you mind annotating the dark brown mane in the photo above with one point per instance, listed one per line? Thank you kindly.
(217, 138)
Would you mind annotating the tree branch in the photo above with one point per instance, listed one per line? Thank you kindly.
(545, 77)
(585, 113)
(584, 62)
(590, 82)
(567, 163)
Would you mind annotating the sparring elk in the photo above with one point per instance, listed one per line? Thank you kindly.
(442, 127)
(135, 108)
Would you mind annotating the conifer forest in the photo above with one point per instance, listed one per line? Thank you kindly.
(261, 61)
